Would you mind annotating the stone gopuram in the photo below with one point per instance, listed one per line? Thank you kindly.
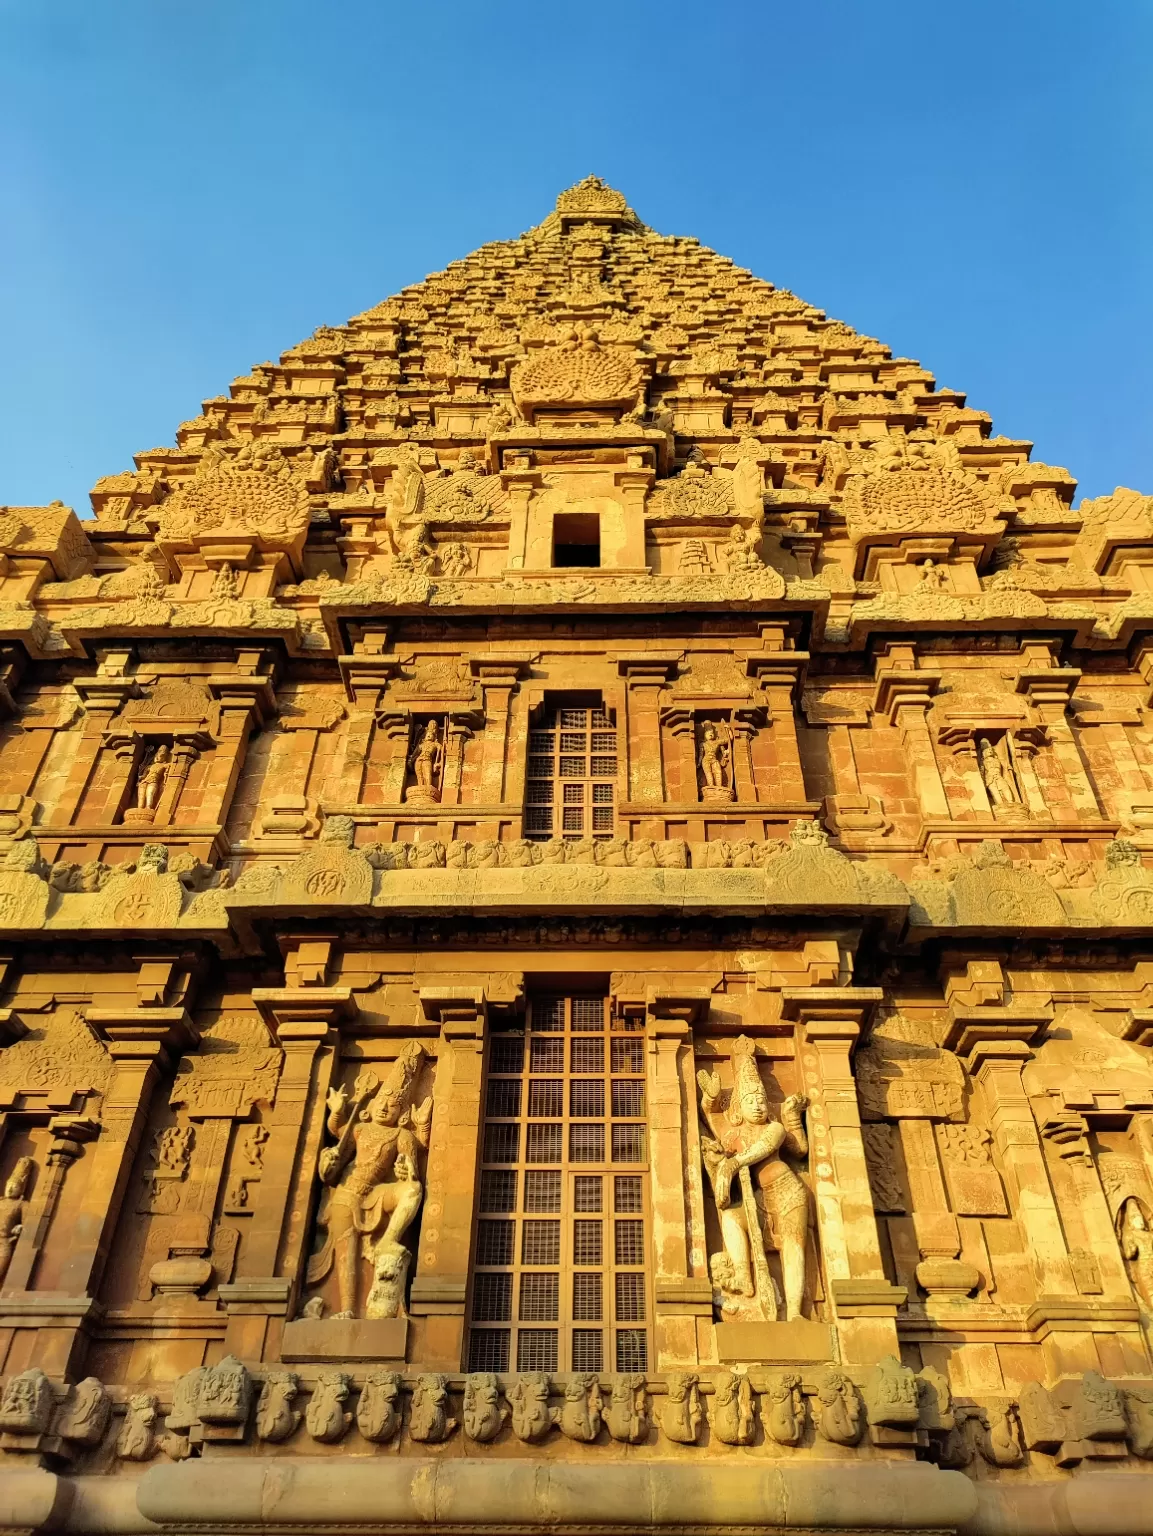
(576, 923)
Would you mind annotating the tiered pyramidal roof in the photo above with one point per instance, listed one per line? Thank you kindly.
(780, 454)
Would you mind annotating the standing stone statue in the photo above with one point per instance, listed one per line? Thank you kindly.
(713, 763)
(12, 1211)
(151, 778)
(1137, 1248)
(761, 1202)
(999, 780)
(426, 763)
(371, 1173)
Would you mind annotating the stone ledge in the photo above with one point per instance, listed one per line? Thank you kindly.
(355, 1338)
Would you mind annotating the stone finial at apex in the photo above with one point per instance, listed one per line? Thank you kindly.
(593, 200)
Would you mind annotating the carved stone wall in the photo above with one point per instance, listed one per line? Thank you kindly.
(863, 704)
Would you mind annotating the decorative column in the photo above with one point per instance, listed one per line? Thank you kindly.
(780, 674)
(499, 675)
(995, 1045)
(645, 675)
(681, 723)
(103, 696)
(303, 1020)
(367, 674)
(395, 725)
(1049, 690)
(683, 1292)
(143, 1044)
(829, 1022)
(440, 1282)
(902, 699)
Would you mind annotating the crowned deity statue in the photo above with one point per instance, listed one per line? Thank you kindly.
(714, 763)
(371, 1174)
(12, 1211)
(426, 764)
(999, 779)
(740, 553)
(761, 1202)
(151, 778)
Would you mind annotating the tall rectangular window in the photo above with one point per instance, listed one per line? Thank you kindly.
(572, 775)
(561, 1277)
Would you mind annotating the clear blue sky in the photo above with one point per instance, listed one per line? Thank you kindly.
(187, 187)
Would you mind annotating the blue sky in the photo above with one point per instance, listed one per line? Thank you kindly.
(188, 188)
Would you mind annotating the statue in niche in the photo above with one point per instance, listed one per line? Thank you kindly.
(714, 762)
(740, 553)
(455, 560)
(417, 552)
(426, 764)
(998, 776)
(1137, 1247)
(151, 778)
(12, 1211)
(373, 1182)
(761, 1202)
(934, 577)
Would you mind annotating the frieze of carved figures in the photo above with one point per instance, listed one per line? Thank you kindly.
(484, 1415)
(429, 1420)
(27, 1404)
(378, 1407)
(838, 1415)
(761, 1202)
(326, 1417)
(579, 1417)
(137, 1438)
(783, 1409)
(891, 1394)
(627, 1414)
(682, 1416)
(372, 1179)
(276, 1418)
(733, 1414)
(528, 1397)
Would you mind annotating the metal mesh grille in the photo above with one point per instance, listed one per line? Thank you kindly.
(587, 1301)
(628, 1096)
(587, 1055)
(540, 1297)
(494, 1242)
(498, 1190)
(630, 1242)
(544, 1143)
(628, 1195)
(540, 1243)
(488, 1349)
(630, 1298)
(492, 1298)
(573, 1295)
(503, 1097)
(542, 1191)
(632, 1350)
(572, 755)
(586, 1243)
(628, 1143)
(536, 1349)
(501, 1143)
(587, 1098)
(586, 1143)
(588, 1349)
(587, 1192)
(628, 1056)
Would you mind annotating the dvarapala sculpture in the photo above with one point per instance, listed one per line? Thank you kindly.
(761, 1202)
(373, 1183)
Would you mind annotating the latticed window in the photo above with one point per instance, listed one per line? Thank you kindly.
(560, 1278)
(572, 775)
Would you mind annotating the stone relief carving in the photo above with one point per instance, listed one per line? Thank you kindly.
(373, 1183)
(12, 1208)
(760, 1201)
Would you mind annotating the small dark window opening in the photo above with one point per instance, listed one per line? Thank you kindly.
(576, 539)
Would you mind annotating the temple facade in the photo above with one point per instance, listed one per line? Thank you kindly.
(576, 924)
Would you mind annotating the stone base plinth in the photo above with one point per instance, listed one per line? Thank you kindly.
(796, 1343)
(322, 1339)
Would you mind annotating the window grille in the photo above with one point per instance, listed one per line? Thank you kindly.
(570, 788)
(560, 1276)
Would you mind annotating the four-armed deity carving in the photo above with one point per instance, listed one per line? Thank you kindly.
(761, 1202)
(372, 1177)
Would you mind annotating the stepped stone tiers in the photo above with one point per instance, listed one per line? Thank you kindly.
(576, 922)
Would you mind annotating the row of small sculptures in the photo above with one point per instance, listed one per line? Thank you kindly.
(1075, 1420)
(610, 852)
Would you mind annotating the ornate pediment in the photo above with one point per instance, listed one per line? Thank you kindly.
(578, 372)
(254, 493)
